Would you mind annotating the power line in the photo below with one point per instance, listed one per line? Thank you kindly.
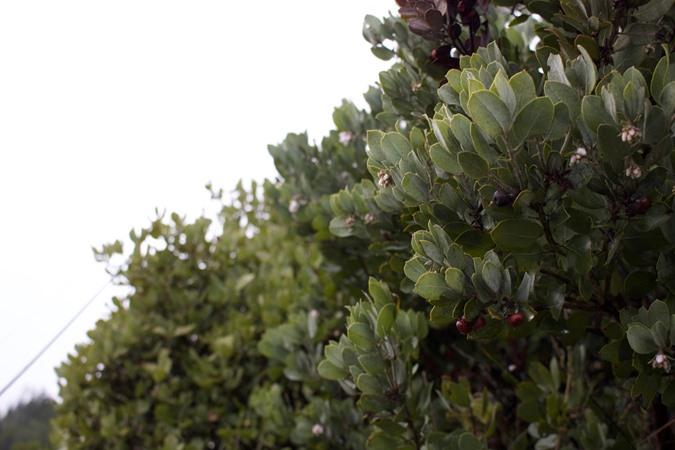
(58, 335)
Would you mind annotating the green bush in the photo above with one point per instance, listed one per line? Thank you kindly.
(484, 259)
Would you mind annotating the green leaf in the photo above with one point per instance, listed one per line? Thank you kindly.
(640, 339)
(475, 242)
(523, 89)
(588, 70)
(535, 119)
(481, 145)
(361, 335)
(647, 385)
(374, 403)
(561, 92)
(580, 255)
(385, 319)
(653, 10)
(634, 101)
(369, 384)
(638, 283)
(610, 144)
(431, 286)
(594, 113)
(461, 129)
(333, 353)
(414, 269)
(330, 371)
(468, 441)
(489, 112)
(663, 74)
(244, 281)
(658, 312)
(516, 234)
(455, 280)
(389, 426)
(556, 70)
(415, 187)
(379, 292)
(660, 334)
(667, 99)
(526, 287)
(444, 159)
(395, 146)
(501, 87)
(492, 276)
(340, 227)
(473, 165)
(555, 299)
(374, 140)
(459, 394)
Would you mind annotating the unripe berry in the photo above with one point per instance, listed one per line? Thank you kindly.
(516, 319)
(464, 326)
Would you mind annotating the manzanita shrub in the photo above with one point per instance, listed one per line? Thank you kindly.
(484, 259)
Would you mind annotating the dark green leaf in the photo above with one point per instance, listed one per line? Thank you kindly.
(640, 339)
(361, 335)
(516, 234)
(395, 147)
(386, 318)
(473, 165)
(535, 119)
(489, 112)
(431, 286)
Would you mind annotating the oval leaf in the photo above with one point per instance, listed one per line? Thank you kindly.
(489, 112)
(640, 339)
(516, 234)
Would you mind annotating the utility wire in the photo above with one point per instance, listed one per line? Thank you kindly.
(58, 335)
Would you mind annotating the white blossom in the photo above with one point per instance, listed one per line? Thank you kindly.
(384, 179)
(317, 429)
(661, 361)
(369, 218)
(634, 171)
(345, 137)
(578, 155)
(629, 132)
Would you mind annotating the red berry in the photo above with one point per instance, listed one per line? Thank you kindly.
(479, 323)
(464, 326)
(516, 319)
(639, 205)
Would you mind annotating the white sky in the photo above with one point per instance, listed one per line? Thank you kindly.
(111, 109)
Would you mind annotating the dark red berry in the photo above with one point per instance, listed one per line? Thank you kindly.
(464, 326)
(501, 198)
(516, 319)
(455, 30)
(479, 323)
(639, 205)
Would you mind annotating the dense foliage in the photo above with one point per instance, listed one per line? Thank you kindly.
(484, 259)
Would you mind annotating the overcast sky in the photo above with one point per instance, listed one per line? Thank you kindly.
(111, 109)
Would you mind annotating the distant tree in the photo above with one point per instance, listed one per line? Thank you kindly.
(27, 426)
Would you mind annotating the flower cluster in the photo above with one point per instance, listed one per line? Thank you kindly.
(629, 133)
(384, 179)
(578, 156)
(633, 171)
(661, 361)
